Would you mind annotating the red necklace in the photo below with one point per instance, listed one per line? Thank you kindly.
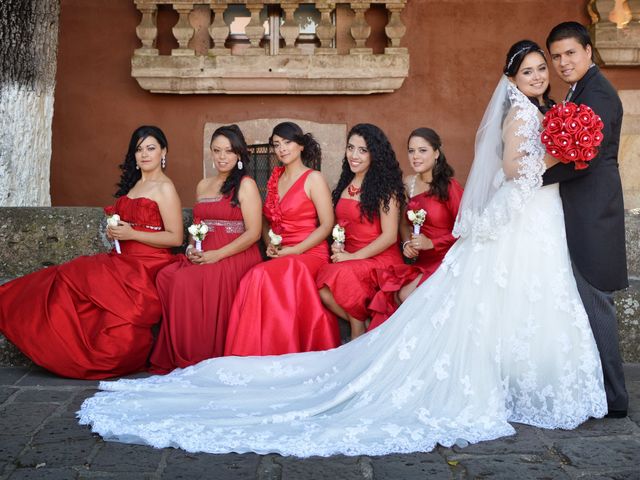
(352, 190)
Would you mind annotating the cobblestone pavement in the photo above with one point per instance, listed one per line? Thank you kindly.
(41, 439)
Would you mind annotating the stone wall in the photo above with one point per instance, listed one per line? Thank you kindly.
(34, 238)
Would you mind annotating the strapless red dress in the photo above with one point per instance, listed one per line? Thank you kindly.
(352, 283)
(437, 227)
(196, 299)
(91, 317)
(277, 309)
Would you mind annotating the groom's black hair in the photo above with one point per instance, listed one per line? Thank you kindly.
(566, 30)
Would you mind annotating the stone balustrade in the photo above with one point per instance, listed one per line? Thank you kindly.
(272, 46)
(616, 29)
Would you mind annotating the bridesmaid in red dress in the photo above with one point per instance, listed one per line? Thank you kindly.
(433, 189)
(91, 317)
(367, 199)
(277, 308)
(197, 292)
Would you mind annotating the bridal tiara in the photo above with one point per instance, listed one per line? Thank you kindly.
(523, 49)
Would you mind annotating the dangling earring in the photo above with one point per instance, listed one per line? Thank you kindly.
(163, 163)
(137, 167)
(240, 165)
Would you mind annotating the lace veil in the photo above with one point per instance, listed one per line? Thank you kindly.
(507, 141)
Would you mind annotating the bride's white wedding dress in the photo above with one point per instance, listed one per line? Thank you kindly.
(498, 334)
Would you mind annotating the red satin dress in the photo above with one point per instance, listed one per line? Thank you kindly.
(196, 299)
(352, 282)
(437, 227)
(277, 309)
(91, 317)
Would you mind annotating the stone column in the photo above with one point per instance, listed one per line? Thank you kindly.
(28, 48)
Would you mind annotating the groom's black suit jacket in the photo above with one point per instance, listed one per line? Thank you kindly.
(592, 198)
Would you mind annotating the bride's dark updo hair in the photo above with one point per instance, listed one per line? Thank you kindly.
(515, 56)
(312, 153)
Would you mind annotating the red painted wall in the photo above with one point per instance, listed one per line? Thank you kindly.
(457, 52)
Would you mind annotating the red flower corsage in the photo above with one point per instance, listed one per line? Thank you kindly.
(271, 207)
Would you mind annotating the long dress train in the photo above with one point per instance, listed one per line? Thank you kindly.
(91, 317)
(497, 334)
(196, 299)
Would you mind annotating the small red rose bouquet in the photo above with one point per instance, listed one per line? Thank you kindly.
(112, 221)
(572, 133)
(416, 216)
(198, 231)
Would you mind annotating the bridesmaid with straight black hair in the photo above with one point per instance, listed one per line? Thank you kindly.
(91, 318)
(277, 308)
(198, 291)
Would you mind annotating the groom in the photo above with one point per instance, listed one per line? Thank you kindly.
(592, 202)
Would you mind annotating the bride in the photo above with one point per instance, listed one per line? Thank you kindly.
(496, 335)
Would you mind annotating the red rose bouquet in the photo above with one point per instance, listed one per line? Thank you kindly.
(572, 133)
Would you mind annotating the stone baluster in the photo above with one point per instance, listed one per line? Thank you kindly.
(254, 29)
(620, 14)
(182, 30)
(617, 36)
(360, 29)
(326, 31)
(219, 30)
(290, 28)
(395, 29)
(147, 31)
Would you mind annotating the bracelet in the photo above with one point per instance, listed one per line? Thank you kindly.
(186, 251)
(404, 244)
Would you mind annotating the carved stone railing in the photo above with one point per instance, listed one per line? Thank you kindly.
(271, 56)
(616, 28)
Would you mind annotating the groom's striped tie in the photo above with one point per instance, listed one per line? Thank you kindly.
(569, 95)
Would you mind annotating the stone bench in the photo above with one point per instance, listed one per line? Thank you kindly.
(34, 237)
